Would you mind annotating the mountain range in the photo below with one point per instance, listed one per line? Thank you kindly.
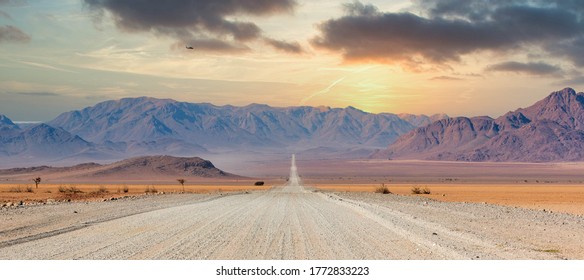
(132, 127)
(549, 130)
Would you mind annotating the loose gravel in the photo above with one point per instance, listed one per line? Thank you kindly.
(286, 223)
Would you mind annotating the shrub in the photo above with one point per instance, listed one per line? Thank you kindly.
(416, 190)
(125, 189)
(102, 189)
(382, 189)
(15, 189)
(74, 189)
(150, 189)
(426, 190)
(259, 183)
(29, 189)
(71, 189)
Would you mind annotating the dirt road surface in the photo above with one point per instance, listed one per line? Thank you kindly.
(288, 222)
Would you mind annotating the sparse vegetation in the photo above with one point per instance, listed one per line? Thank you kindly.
(37, 181)
(150, 189)
(15, 190)
(69, 190)
(382, 189)
(259, 183)
(418, 190)
(102, 189)
(29, 189)
(125, 189)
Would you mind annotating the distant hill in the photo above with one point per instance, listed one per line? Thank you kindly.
(139, 168)
(160, 165)
(550, 130)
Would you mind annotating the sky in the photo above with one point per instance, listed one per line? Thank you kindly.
(459, 57)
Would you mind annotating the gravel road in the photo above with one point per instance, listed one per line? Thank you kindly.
(288, 222)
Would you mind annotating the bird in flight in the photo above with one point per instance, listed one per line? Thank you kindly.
(189, 48)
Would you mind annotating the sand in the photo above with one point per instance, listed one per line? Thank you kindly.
(549, 197)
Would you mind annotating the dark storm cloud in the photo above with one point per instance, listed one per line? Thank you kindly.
(534, 68)
(205, 22)
(291, 47)
(445, 30)
(12, 34)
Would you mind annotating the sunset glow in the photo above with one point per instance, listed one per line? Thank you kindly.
(72, 54)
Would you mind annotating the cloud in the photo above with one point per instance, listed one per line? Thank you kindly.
(41, 65)
(211, 45)
(445, 78)
(208, 24)
(38, 94)
(5, 15)
(444, 31)
(532, 68)
(323, 91)
(11, 34)
(291, 47)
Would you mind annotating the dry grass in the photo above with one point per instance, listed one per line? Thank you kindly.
(69, 190)
(20, 189)
(554, 197)
(89, 192)
(150, 189)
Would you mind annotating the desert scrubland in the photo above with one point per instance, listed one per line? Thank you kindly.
(323, 218)
(287, 223)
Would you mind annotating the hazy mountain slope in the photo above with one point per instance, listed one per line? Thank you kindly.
(422, 120)
(7, 125)
(550, 130)
(41, 141)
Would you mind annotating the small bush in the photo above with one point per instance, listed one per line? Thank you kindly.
(102, 189)
(426, 190)
(259, 183)
(29, 189)
(416, 190)
(74, 189)
(382, 189)
(125, 189)
(71, 189)
(150, 189)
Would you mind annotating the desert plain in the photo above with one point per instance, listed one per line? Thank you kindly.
(472, 211)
